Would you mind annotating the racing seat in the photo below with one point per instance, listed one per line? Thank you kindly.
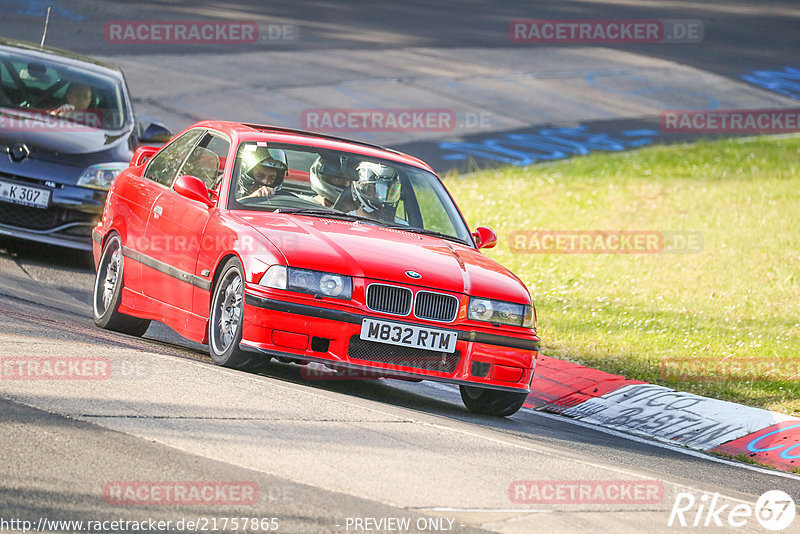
(203, 164)
(345, 202)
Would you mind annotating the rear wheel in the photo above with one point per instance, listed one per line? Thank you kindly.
(492, 401)
(225, 322)
(107, 295)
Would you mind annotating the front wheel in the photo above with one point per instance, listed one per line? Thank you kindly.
(225, 321)
(108, 286)
(492, 401)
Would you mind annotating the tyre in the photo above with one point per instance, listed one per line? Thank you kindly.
(107, 294)
(225, 321)
(492, 401)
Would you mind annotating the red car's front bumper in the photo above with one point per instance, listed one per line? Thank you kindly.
(328, 332)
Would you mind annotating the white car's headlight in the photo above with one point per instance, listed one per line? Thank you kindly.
(101, 176)
(496, 311)
(306, 281)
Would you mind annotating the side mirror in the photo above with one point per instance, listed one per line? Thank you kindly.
(155, 133)
(193, 188)
(142, 154)
(484, 237)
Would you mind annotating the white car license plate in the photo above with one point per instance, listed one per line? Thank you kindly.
(24, 194)
(406, 335)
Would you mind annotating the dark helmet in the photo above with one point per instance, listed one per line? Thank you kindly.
(329, 178)
(377, 186)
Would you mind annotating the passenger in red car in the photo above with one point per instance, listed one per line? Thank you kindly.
(377, 191)
(330, 179)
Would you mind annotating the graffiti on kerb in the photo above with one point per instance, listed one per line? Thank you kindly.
(546, 144)
(785, 82)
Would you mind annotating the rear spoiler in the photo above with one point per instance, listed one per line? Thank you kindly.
(142, 154)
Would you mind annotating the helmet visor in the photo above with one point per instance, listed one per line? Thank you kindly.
(380, 190)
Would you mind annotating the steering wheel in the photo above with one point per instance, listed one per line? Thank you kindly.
(45, 93)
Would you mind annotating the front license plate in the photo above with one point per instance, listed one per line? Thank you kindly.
(24, 194)
(405, 335)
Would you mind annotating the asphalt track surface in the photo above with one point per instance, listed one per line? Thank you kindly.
(323, 452)
(739, 35)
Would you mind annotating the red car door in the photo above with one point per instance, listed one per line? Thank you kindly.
(175, 231)
(136, 196)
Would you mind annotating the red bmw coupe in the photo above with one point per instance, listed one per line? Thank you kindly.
(264, 242)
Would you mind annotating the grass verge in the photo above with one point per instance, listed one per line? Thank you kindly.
(720, 320)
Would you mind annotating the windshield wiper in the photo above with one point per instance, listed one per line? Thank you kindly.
(432, 233)
(327, 213)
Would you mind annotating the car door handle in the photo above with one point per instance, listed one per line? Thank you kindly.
(157, 212)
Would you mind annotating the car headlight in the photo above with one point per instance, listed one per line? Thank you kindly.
(101, 176)
(275, 277)
(496, 311)
(306, 281)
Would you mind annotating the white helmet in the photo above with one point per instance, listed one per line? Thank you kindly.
(329, 178)
(377, 186)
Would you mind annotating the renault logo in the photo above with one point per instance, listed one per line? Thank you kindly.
(19, 152)
(413, 274)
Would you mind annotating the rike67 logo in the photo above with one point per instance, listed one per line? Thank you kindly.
(775, 510)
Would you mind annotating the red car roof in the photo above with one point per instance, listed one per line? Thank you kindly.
(257, 132)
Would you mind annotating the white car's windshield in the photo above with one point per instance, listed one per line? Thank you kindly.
(320, 182)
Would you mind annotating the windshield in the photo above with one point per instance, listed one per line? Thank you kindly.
(35, 86)
(320, 182)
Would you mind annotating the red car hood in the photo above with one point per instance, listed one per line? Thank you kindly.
(369, 251)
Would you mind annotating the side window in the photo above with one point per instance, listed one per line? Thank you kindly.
(8, 91)
(207, 160)
(164, 165)
(432, 209)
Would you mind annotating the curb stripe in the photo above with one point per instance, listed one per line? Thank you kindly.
(657, 412)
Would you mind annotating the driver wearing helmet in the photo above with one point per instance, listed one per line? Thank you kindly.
(329, 179)
(262, 173)
(377, 191)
